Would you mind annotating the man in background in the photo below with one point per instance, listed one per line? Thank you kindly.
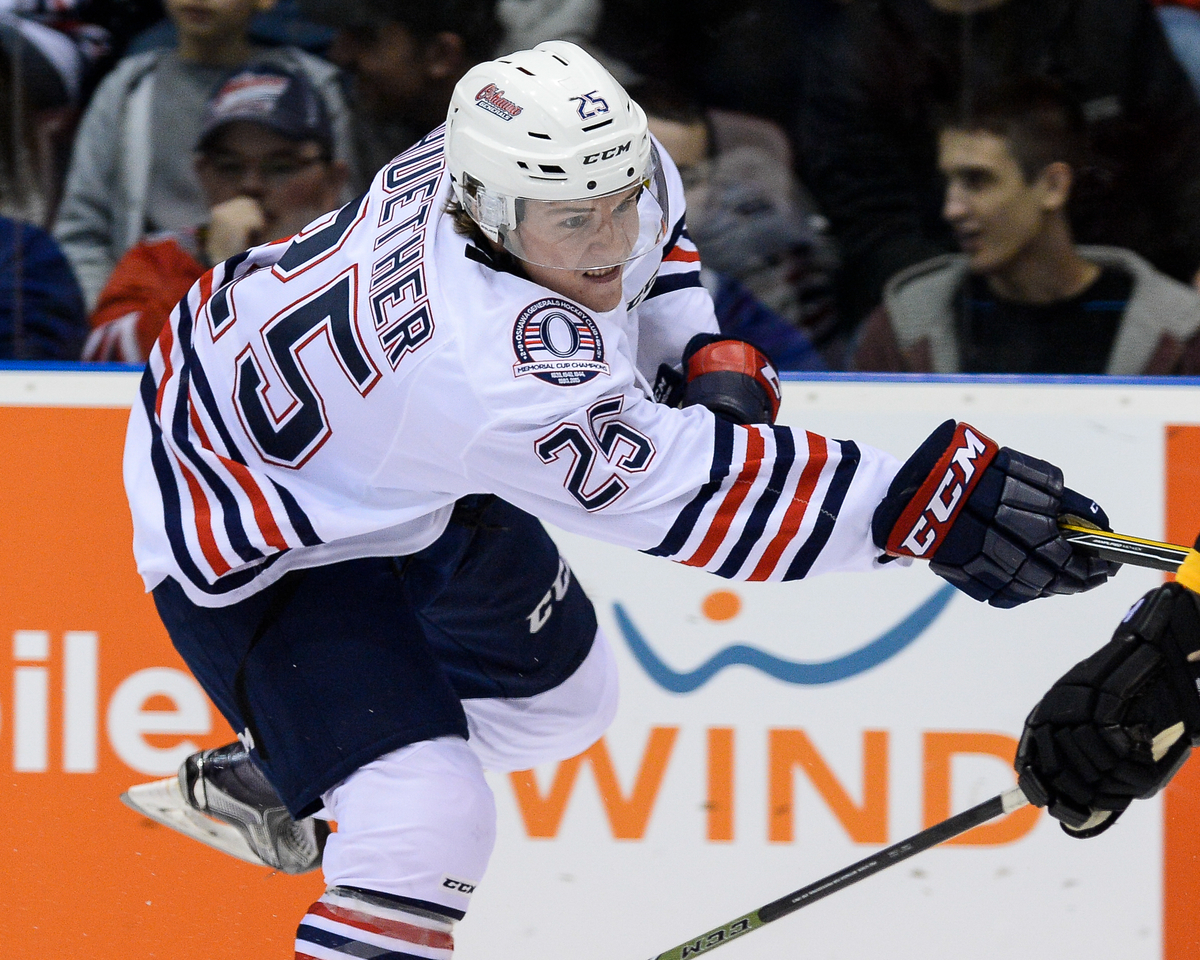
(402, 59)
(131, 171)
(873, 73)
(1022, 297)
(265, 162)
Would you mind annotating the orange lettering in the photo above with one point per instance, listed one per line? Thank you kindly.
(865, 823)
(939, 749)
(720, 783)
(626, 817)
(542, 816)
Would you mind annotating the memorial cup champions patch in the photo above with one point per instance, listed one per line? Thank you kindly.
(557, 342)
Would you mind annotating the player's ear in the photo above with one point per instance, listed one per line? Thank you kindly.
(1054, 182)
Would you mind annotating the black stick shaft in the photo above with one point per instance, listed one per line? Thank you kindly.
(930, 837)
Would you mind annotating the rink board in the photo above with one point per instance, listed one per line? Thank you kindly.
(768, 733)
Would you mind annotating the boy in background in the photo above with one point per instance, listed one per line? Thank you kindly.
(1022, 297)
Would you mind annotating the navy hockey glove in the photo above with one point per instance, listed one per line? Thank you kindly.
(732, 378)
(987, 519)
(1119, 724)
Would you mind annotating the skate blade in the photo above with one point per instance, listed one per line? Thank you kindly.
(162, 801)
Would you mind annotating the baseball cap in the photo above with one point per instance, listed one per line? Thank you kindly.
(281, 99)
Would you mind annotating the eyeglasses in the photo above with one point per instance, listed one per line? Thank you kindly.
(273, 171)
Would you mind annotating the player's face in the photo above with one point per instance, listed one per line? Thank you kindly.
(292, 181)
(575, 234)
(995, 213)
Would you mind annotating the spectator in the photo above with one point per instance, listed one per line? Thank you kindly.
(279, 26)
(766, 260)
(867, 133)
(403, 58)
(1022, 298)
(1180, 21)
(264, 160)
(101, 30)
(41, 72)
(124, 183)
(41, 310)
(527, 23)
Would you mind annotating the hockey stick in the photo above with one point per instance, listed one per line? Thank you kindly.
(1109, 546)
(1123, 548)
(1003, 803)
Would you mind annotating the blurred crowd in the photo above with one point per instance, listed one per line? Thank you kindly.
(977, 186)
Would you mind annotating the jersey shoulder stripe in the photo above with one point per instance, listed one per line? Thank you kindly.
(669, 283)
(679, 255)
(677, 231)
(680, 267)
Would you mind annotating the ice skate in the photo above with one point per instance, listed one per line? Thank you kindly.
(221, 798)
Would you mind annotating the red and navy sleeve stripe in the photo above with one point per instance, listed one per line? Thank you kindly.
(769, 507)
(685, 523)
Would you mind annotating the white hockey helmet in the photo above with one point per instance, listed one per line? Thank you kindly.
(553, 160)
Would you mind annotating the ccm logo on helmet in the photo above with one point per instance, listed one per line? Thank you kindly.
(932, 510)
(609, 153)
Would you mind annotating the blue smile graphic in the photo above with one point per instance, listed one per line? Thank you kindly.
(881, 648)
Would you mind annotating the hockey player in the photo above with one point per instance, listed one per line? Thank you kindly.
(1120, 724)
(342, 442)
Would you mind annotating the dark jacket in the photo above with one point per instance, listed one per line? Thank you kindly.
(877, 72)
(913, 329)
(41, 308)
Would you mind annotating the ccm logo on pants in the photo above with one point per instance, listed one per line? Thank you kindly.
(931, 512)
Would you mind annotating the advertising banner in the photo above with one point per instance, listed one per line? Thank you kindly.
(768, 734)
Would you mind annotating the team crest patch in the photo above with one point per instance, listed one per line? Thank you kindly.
(492, 99)
(558, 343)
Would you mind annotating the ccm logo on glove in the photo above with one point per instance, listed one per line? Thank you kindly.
(931, 512)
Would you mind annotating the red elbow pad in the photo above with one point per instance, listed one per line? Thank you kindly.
(722, 363)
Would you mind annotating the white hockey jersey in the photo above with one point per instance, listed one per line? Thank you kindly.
(331, 397)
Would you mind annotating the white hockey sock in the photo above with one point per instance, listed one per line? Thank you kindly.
(350, 923)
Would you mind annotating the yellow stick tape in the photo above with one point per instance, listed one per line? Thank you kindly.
(1189, 571)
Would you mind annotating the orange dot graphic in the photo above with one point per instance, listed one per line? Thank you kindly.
(722, 605)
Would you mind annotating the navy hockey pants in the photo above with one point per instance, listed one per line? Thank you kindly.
(331, 667)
